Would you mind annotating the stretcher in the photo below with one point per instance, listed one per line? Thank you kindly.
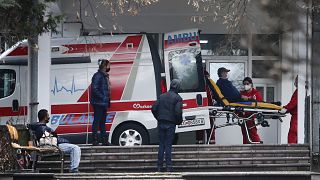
(235, 112)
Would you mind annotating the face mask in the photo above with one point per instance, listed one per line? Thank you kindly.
(247, 87)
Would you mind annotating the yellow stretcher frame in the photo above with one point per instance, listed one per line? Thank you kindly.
(260, 105)
(261, 110)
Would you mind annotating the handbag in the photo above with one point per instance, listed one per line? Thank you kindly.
(48, 139)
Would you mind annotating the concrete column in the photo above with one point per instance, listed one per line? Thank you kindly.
(39, 75)
(44, 70)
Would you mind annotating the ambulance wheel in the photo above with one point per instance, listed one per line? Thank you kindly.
(130, 134)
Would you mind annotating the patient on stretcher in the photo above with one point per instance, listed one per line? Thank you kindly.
(233, 97)
(222, 101)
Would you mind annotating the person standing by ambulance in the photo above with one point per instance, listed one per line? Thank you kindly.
(100, 101)
(250, 94)
(168, 112)
(292, 108)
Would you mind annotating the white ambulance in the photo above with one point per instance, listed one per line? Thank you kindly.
(138, 76)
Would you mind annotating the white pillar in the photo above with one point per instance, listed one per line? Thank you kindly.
(39, 76)
(287, 87)
(44, 68)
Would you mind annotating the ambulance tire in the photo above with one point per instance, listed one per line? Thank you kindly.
(125, 128)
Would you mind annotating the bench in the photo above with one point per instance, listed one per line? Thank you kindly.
(33, 147)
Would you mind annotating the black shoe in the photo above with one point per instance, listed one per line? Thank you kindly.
(106, 144)
(95, 141)
(169, 169)
(160, 169)
(74, 170)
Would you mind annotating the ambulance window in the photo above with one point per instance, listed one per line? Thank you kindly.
(7, 82)
(187, 68)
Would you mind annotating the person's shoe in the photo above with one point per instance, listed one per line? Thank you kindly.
(160, 169)
(95, 141)
(170, 169)
(106, 144)
(200, 142)
(75, 170)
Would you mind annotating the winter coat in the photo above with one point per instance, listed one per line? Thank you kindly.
(168, 108)
(230, 92)
(100, 90)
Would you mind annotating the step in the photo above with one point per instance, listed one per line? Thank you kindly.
(192, 154)
(263, 175)
(178, 162)
(89, 176)
(154, 148)
(189, 158)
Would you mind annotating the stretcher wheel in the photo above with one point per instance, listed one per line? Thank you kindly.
(259, 116)
(265, 124)
(214, 112)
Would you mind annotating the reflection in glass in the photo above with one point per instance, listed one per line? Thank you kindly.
(270, 94)
(225, 44)
(183, 66)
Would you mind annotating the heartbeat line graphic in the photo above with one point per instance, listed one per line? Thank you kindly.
(72, 90)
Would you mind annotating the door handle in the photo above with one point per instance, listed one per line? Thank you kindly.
(199, 100)
(15, 105)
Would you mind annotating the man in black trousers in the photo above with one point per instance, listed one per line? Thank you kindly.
(168, 111)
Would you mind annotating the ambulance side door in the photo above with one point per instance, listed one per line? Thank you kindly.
(182, 60)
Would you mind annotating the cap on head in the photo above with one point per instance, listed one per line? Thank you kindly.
(221, 70)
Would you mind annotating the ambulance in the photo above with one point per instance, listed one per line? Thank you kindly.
(138, 76)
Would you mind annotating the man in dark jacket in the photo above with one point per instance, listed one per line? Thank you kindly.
(230, 92)
(168, 111)
(41, 127)
(100, 100)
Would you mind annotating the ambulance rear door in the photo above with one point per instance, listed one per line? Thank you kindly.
(182, 60)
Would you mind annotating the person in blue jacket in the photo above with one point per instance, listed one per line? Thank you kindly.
(41, 127)
(230, 92)
(100, 100)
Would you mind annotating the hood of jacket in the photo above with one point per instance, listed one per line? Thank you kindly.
(175, 85)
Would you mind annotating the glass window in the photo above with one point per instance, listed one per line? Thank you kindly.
(270, 94)
(7, 82)
(236, 74)
(187, 67)
(224, 45)
(265, 45)
(265, 69)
